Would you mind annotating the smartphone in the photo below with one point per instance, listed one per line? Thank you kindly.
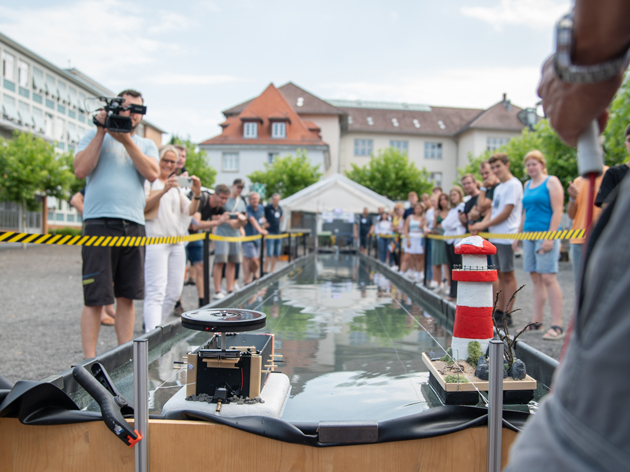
(233, 216)
(184, 181)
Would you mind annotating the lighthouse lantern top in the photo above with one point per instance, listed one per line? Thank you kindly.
(475, 245)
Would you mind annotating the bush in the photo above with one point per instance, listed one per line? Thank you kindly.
(66, 231)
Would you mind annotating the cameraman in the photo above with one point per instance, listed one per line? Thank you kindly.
(115, 165)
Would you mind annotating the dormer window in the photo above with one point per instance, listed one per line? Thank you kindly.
(250, 129)
(279, 129)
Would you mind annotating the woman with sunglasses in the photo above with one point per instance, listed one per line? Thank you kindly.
(168, 212)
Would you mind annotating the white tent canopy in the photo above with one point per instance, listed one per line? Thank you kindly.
(334, 193)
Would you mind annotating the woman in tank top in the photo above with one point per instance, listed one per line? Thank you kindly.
(438, 246)
(543, 199)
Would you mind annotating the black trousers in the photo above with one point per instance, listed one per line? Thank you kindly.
(452, 260)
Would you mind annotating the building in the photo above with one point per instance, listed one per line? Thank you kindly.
(55, 104)
(440, 139)
(261, 129)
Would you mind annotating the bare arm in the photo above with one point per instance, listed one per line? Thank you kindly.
(86, 160)
(573, 192)
(77, 202)
(257, 227)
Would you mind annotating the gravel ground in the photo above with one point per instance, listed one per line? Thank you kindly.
(41, 308)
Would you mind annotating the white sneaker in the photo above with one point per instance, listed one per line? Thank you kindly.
(410, 274)
(433, 285)
(419, 276)
(218, 295)
(236, 287)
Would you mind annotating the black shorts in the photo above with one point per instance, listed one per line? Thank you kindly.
(112, 272)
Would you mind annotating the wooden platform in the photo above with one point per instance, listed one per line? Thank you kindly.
(196, 446)
(528, 383)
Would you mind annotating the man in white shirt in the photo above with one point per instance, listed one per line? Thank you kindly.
(505, 218)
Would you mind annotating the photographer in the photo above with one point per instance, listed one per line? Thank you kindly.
(168, 212)
(115, 166)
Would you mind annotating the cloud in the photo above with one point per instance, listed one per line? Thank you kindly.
(191, 79)
(472, 88)
(209, 5)
(533, 13)
(100, 37)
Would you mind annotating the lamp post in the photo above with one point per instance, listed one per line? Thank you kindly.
(528, 117)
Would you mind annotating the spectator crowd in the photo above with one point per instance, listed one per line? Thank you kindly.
(135, 189)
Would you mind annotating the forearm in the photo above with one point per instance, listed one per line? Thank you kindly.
(147, 166)
(255, 224)
(500, 218)
(602, 31)
(194, 206)
(86, 160)
(555, 220)
(571, 210)
(208, 224)
(153, 199)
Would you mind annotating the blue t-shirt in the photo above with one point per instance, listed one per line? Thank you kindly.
(115, 188)
(273, 216)
(258, 215)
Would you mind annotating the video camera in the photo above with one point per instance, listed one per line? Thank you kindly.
(114, 122)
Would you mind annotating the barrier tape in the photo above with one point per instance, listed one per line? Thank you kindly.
(124, 241)
(529, 236)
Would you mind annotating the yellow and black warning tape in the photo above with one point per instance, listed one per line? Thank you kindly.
(124, 241)
(528, 236)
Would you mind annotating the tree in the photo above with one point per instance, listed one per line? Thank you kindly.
(31, 169)
(196, 161)
(287, 175)
(392, 174)
(614, 135)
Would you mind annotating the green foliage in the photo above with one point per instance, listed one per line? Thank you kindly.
(196, 161)
(287, 175)
(383, 324)
(455, 379)
(76, 184)
(474, 353)
(392, 174)
(614, 134)
(31, 168)
(447, 358)
(66, 231)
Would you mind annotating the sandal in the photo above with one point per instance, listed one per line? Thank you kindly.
(559, 333)
(533, 327)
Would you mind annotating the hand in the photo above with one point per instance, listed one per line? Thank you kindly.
(408, 242)
(572, 107)
(196, 185)
(573, 190)
(242, 218)
(224, 217)
(476, 228)
(546, 246)
(463, 218)
(264, 232)
(101, 116)
(474, 214)
(184, 174)
(123, 138)
(514, 245)
(171, 183)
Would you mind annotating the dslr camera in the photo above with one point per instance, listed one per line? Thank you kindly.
(114, 121)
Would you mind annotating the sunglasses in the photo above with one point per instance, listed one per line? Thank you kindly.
(169, 161)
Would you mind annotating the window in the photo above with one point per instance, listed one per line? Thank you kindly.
(72, 97)
(38, 98)
(395, 122)
(362, 147)
(8, 108)
(441, 124)
(370, 121)
(50, 104)
(300, 101)
(433, 150)
(62, 92)
(8, 66)
(272, 156)
(349, 120)
(71, 114)
(492, 144)
(59, 217)
(73, 136)
(38, 80)
(81, 103)
(279, 129)
(22, 74)
(250, 129)
(38, 119)
(81, 117)
(416, 123)
(436, 177)
(80, 132)
(60, 129)
(70, 218)
(230, 162)
(25, 114)
(402, 146)
(61, 109)
(51, 90)
(48, 123)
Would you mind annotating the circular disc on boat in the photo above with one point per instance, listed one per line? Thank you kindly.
(223, 320)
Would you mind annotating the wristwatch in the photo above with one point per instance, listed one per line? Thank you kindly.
(569, 72)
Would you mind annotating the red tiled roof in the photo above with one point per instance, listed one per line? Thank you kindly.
(310, 104)
(502, 116)
(269, 104)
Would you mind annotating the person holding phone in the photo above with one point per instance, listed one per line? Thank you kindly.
(168, 212)
(453, 227)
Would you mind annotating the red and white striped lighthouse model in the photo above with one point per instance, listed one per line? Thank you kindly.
(473, 317)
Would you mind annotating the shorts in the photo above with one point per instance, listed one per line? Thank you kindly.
(251, 249)
(274, 246)
(363, 241)
(545, 263)
(503, 260)
(228, 252)
(112, 272)
(194, 252)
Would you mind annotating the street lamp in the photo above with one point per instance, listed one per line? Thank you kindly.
(528, 117)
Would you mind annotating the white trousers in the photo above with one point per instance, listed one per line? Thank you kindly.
(164, 270)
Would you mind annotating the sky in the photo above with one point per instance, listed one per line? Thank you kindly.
(192, 59)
